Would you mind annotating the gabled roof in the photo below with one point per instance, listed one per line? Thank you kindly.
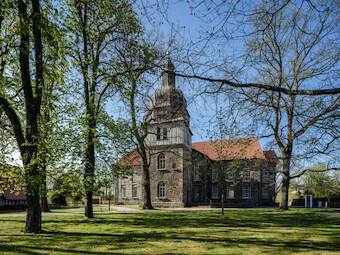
(241, 148)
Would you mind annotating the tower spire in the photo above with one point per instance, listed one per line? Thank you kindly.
(168, 72)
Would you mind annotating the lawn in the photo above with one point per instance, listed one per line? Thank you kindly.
(245, 231)
(65, 209)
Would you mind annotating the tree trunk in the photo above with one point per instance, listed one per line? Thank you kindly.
(33, 217)
(43, 192)
(88, 204)
(89, 169)
(146, 187)
(222, 204)
(44, 204)
(285, 184)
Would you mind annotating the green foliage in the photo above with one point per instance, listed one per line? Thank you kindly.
(321, 184)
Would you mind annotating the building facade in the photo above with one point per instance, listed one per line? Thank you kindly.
(183, 173)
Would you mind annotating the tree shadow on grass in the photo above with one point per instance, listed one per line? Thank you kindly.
(134, 230)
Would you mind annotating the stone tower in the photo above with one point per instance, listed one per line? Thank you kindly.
(169, 143)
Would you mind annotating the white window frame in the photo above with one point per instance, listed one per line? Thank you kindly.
(214, 174)
(134, 191)
(161, 161)
(265, 176)
(246, 192)
(123, 191)
(265, 193)
(161, 190)
(230, 191)
(135, 178)
(246, 175)
(215, 192)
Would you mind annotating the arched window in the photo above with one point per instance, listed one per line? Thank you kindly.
(161, 161)
(161, 189)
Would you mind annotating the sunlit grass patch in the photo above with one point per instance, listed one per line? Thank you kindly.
(244, 231)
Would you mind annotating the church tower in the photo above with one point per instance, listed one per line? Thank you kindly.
(169, 143)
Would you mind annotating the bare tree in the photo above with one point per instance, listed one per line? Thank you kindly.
(278, 61)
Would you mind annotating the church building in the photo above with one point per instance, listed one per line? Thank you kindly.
(183, 173)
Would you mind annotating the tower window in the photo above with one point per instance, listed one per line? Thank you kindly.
(165, 133)
(161, 161)
(158, 133)
(161, 189)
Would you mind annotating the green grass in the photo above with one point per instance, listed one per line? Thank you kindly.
(64, 209)
(246, 231)
(130, 206)
(80, 208)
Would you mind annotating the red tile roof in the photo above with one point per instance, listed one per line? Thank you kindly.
(271, 155)
(241, 148)
(131, 159)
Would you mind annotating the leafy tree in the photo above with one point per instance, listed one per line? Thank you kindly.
(321, 183)
(138, 58)
(27, 132)
(94, 28)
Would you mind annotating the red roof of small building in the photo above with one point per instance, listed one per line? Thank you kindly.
(241, 148)
(14, 194)
(8, 179)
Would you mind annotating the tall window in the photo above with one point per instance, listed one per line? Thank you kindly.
(265, 193)
(158, 133)
(165, 133)
(196, 174)
(214, 192)
(161, 189)
(123, 189)
(230, 193)
(134, 190)
(265, 176)
(246, 192)
(214, 174)
(231, 175)
(134, 178)
(246, 175)
(161, 161)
